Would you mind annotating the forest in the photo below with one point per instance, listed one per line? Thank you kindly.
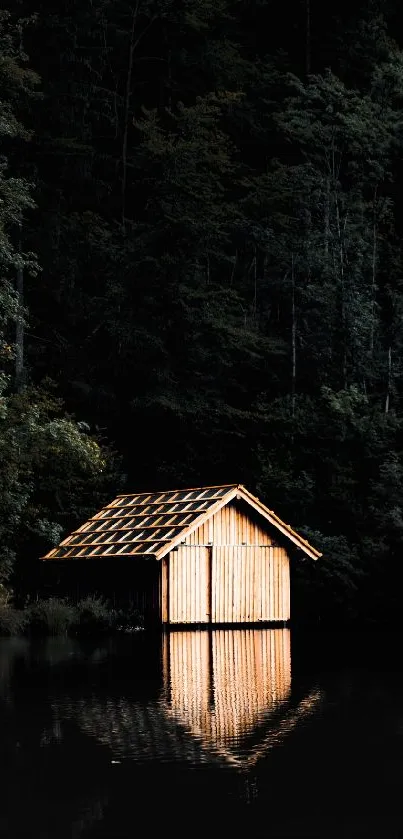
(202, 273)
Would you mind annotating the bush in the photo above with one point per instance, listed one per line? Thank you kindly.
(51, 617)
(96, 616)
(128, 620)
(12, 621)
(4, 594)
(93, 616)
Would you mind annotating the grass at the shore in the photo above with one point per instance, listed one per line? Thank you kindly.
(54, 616)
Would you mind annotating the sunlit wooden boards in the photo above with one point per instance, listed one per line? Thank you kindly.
(226, 584)
(189, 600)
(250, 584)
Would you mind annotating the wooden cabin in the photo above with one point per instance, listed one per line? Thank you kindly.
(206, 556)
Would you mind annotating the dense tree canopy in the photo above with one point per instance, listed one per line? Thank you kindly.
(200, 254)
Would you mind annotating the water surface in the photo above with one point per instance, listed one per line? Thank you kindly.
(201, 733)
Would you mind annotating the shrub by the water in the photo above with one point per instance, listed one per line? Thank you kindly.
(51, 617)
(128, 620)
(93, 616)
(12, 621)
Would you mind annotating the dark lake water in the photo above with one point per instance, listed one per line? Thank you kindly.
(244, 732)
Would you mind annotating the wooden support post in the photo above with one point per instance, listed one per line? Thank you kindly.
(209, 585)
(164, 600)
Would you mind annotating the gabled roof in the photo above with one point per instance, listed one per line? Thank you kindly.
(152, 524)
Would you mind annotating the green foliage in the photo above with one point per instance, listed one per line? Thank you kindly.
(93, 616)
(12, 621)
(186, 159)
(326, 591)
(88, 618)
(51, 617)
(16, 84)
(52, 472)
(127, 620)
(47, 463)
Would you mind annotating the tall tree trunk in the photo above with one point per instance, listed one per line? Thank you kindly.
(340, 236)
(327, 223)
(126, 112)
(134, 42)
(19, 327)
(208, 270)
(373, 282)
(234, 266)
(388, 381)
(19, 332)
(307, 37)
(293, 339)
(255, 283)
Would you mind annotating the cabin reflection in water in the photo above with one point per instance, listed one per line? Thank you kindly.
(223, 685)
(225, 700)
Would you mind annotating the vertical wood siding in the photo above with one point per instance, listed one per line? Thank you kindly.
(221, 685)
(230, 526)
(241, 584)
(164, 589)
(229, 571)
(250, 584)
(188, 585)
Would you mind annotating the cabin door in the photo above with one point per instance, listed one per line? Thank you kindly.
(189, 584)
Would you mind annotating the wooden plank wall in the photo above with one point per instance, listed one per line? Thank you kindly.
(250, 584)
(188, 585)
(221, 685)
(242, 585)
(230, 526)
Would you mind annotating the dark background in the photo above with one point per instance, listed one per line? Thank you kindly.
(217, 227)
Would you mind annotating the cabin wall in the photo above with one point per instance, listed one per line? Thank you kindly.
(232, 525)
(189, 585)
(228, 571)
(250, 585)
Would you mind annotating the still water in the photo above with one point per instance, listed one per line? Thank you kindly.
(223, 733)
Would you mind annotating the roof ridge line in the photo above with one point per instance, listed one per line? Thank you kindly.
(185, 489)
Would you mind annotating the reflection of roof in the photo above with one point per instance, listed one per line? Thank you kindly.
(270, 733)
(132, 729)
(152, 731)
(154, 523)
(226, 697)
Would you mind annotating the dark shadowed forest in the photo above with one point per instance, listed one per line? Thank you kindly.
(201, 279)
